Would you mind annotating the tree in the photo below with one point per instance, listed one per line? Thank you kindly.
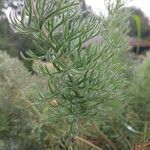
(10, 41)
(1, 12)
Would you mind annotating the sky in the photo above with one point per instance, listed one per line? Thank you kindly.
(98, 5)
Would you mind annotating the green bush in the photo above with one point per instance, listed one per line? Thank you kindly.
(139, 90)
(86, 84)
(139, 97)
(14, 43)
(18, 116)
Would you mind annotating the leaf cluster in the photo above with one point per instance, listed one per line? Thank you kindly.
(85, 80)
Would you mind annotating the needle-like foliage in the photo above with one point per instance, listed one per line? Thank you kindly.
(84, 80)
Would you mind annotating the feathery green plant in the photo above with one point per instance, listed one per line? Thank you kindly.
(86, 81)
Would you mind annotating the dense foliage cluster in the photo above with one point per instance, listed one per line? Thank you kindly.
(17, 112)
(84, 80)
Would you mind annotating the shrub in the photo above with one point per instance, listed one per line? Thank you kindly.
(140, 87)
(138, 93)
(18, 115)
(140, 90)
(86, 84)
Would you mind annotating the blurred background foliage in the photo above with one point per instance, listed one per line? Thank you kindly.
(10, 41)
(143, 21)
(18, 115)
